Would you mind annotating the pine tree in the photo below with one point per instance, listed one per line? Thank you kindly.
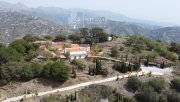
(75, 96)
(74, 74)
(98, 66)
(126, 57)
(89, 71)
(147, 61)
(67, 98)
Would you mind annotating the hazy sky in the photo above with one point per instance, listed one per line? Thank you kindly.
(155, 10)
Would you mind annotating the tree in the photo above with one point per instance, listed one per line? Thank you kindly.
(10, 71)
(147, 94)
(136, 65)
(163, 99)
(99, 34)
(46, 72)
(81, 64)
(98, 66)
(115, 52)
(23, 47)
(60, 38)
(30, 38)
(27, 72)
(173, 97)
(174, 47)
(133, 83)
(36, 69)
(84, 32)
(48, 37)
(104, 72)
(176, 84)
(121, 67)
(9, 54)
(75, 37)
(129, 100)
(60, 71)
(158, 84)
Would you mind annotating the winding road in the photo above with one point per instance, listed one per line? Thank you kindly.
(143, 72)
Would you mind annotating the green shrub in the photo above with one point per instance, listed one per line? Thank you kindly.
(158, 84)
(121, 67)
(104, 72)
(60, 71)
(133, 83)
(173, 97)
(147, 94)
(81, 64)
(176, 84)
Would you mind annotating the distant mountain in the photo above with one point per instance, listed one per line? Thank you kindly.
(62, 16)
(17, 20)
(167, 34)
(15, 25)
(119, 28)
(9, 7)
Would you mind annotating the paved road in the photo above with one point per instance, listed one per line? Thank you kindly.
(143, 72)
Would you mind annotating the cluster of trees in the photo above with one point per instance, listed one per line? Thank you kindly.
(20, 71)
(139, 43)
(174, 47)
(175, 84)
(124, 68)
(94, 35)
(17, 51)
(98, 69)
(85, 35)
(152, 90)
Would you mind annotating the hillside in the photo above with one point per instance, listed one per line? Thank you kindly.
(167, 34)
(120, 28)
(15, 25)
(21, 20)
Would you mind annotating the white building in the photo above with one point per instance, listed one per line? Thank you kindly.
(76, 53)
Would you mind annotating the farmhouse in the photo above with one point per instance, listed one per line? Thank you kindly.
(77, 51)
(72, 51)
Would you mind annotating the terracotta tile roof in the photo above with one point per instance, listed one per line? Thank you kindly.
(77, 49)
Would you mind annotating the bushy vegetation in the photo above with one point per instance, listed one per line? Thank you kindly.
(89, 36)
(9, 54)
(153, 90)
(147, 94)
(59, 71)
(20, 71)
(53, 98)
(173, 97)
(115, 52)
(140, 43)
(81, 64)
(123, 67)
(60, 37)
(175, 84)
(134, 83)
(158, 84)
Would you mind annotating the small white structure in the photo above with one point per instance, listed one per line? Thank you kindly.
(77, 55)
(110, 38)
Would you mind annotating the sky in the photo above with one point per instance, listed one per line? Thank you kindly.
(154, 10)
